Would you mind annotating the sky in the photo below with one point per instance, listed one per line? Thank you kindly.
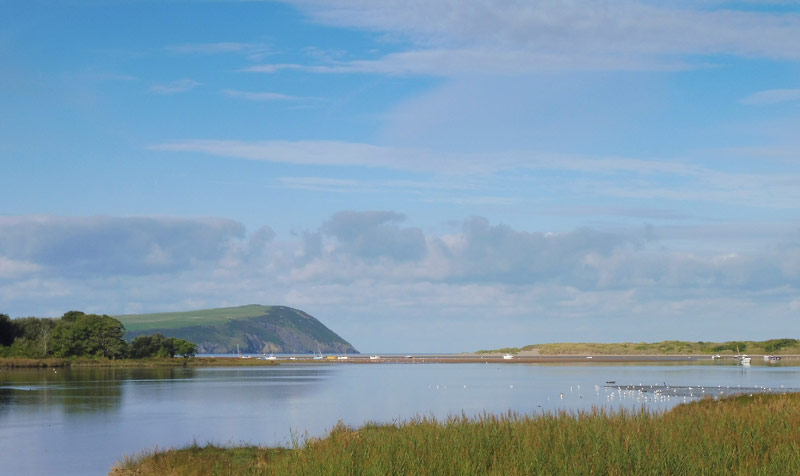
(422, 176)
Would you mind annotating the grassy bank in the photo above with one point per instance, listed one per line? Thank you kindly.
(738, 436)
(22, 363)
(668, 347)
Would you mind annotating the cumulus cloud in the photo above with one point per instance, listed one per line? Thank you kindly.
(358, 266)
(112, 246)
(375, 235)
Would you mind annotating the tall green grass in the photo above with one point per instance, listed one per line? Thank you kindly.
(738, 436)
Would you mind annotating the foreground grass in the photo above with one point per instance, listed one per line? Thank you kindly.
(23, 363)
(737, 436)
(668, 347)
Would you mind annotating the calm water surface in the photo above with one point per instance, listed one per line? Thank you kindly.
(81, 421)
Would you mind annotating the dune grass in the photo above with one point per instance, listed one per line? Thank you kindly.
(744, 435)
(667, 347)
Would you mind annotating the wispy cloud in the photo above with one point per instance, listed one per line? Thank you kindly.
(261, 96)
(451, 38)
(772, 96)
(339, 153)
(253, 51)
(174, 87)
(619, 177)
(448, 62)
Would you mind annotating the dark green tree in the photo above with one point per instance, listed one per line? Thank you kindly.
(157, 345)
(8, 331)
(33, 337)
(79, 334)
(146, 346)
(184, 348)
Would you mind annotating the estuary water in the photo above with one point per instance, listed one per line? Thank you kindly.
(81, 421)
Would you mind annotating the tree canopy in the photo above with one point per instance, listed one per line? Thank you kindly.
(77, 334)
(157, 345)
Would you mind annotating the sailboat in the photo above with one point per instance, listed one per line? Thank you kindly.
(743, 359)
(318, 355)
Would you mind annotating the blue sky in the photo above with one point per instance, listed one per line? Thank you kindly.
(421, 176)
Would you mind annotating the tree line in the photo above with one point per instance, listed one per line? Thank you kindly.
(76, 334)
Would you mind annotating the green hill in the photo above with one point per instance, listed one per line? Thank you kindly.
(253, 328)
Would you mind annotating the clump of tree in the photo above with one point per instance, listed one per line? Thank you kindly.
(77, 334)
(776, 345)
(157, 345)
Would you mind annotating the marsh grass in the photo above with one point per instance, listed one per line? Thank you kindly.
(757, 435)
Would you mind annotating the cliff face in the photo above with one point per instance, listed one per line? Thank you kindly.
(279, 329)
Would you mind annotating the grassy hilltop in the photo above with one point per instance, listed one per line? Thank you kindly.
(253, 328)
(668, 347)
(202, 317)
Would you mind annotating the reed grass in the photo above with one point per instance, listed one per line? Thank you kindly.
(743, 435)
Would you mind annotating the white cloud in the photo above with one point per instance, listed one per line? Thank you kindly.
(772, 96)
(358, 268)
(174, 87)
(13, 269)
(111, 246)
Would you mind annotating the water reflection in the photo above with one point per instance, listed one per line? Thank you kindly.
(80, 421)
(88, 390)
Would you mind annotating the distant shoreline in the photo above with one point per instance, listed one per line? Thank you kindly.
(9, 363)
(15, 363)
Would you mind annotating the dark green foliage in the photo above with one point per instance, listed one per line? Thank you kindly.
(734, 346)
(184, 348)
(34, 337)
(72, 316)
(775, 345)
(79, 334)
(7, 330)
(157, 345)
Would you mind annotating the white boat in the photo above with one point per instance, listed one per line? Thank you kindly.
(744, 359)
(507, 357)
(270, 357)
(341, 357)
(374, 357)
(318, 355)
